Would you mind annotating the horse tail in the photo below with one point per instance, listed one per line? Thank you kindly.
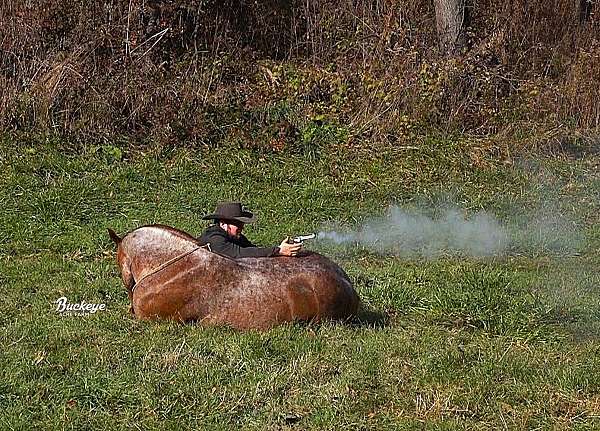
(113, 235)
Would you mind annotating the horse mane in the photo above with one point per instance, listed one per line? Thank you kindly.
(177, 232)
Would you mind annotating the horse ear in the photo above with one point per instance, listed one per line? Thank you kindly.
(114, 236)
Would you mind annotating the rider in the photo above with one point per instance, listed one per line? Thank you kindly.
(225, 235)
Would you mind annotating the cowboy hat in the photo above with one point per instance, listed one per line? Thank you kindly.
(231, 211)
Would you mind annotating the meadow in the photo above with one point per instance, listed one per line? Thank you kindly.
(455, 342)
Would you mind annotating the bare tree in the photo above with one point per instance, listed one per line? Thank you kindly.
(451, 18)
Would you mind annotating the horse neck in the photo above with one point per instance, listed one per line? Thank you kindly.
(151, 247)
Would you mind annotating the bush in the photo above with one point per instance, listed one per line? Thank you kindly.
(199, 71)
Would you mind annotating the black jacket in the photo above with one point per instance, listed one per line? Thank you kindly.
(223, 244)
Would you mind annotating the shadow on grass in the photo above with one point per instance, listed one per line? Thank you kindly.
(367, 318)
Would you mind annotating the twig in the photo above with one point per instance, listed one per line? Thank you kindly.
(162, 33)
(127, 45)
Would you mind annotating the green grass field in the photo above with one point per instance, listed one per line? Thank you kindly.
(449, 343)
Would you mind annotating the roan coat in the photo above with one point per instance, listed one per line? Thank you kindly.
(169, 275)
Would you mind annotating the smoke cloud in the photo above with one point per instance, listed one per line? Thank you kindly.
(410, 232)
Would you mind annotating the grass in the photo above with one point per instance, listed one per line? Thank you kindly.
(457, 343)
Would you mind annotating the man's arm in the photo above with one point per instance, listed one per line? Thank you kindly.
(222, 245)
(286, 248)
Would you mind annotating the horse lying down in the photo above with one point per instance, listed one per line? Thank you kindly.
(168, 275)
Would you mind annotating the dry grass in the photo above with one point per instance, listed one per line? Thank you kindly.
(176, 72)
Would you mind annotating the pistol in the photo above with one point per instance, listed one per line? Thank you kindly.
(302, 238)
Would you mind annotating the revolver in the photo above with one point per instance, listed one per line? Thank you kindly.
(302, 238)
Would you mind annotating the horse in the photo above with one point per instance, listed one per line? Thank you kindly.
(168, 274)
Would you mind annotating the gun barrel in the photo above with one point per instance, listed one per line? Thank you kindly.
(303, 238)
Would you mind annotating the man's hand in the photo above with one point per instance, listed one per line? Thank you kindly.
(289, 249)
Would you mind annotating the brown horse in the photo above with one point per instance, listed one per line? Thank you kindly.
(168, 275)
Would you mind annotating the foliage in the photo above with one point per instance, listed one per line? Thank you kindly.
(198, 72)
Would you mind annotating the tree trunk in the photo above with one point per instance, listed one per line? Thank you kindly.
(585, 10)
(451, 20)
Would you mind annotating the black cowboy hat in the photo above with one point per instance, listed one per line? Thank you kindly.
(231, 211)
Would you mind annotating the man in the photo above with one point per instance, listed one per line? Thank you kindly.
(225, 235)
